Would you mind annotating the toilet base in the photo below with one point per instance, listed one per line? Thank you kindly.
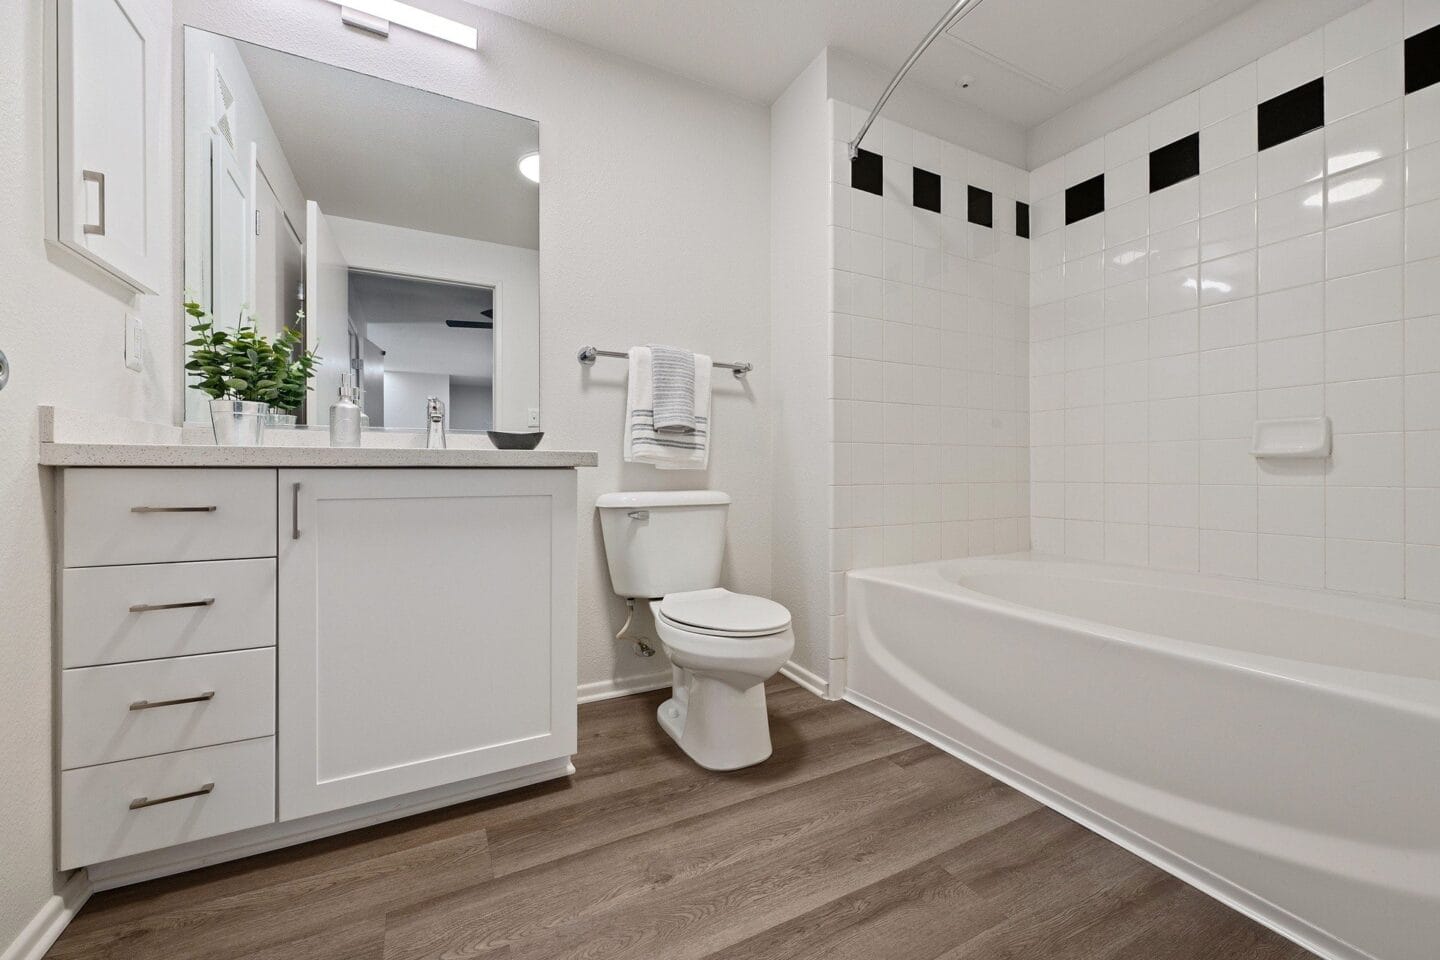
(721, 726)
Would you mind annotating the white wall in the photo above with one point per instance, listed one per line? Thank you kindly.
(433, 348)
(62, 327)
(800, 348)
(1318, 294)
(654, 220)
(472, 406)
(406, 395)
(512, 271)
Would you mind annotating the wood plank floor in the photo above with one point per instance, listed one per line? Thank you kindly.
(855, 841)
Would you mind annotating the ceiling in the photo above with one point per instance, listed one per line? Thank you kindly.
(386, 298)
(1029, 59)
(369, 149)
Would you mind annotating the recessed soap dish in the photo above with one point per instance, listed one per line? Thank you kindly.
(1298, 438)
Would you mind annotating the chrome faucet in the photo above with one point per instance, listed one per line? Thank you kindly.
(435, 418)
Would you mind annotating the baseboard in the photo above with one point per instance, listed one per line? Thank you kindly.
(1232, 895)
(273, 836)
(623, 687)
(51, 920)
(808, 679)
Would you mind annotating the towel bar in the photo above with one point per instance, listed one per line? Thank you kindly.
(587, 357)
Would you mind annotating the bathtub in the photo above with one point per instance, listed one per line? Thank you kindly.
(1277, 748)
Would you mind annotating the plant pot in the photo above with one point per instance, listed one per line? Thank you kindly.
(276, 420)
(239, 423)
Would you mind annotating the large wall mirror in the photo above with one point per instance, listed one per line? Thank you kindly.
(396, 228)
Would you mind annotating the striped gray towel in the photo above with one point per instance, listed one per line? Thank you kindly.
(666, 451)
(672, 374)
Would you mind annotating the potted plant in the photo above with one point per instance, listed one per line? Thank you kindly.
(293, 367)
(243, 373)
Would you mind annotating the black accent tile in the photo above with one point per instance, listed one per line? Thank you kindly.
(1291, 114)
(1175, 162)
(981, 207)
(1085, 199)
(1022, 219)
(1422, 60)
(927, 190)
(867, 172)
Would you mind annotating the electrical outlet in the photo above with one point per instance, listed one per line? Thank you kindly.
(134, 343)
(534, 416)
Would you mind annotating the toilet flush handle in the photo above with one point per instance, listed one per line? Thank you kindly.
(638, 514)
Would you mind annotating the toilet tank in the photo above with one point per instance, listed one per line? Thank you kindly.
(665, 541)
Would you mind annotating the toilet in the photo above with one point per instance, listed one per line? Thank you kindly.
(667, 547)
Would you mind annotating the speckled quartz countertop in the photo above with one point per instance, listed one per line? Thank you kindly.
(201, 455)
(76, 439)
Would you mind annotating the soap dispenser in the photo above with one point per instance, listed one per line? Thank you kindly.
(345, 415)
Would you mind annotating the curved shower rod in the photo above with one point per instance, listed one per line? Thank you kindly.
(951, 15)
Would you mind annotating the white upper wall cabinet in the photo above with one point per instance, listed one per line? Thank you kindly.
(106, 137)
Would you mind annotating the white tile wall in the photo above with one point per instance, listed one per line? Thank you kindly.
(930, 357)
(1304, 280)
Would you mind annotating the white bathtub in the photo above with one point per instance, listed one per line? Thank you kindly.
(1277, 748)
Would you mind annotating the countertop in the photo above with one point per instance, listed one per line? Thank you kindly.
(205, 455)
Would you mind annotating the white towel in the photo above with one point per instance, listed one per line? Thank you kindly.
(667, 451)
(672, 379)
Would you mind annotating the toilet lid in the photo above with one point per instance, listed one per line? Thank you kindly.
(719, 609)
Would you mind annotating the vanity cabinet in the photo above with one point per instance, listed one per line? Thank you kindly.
(426, 629)
(250, 657)
(105, 89)
(167, 686)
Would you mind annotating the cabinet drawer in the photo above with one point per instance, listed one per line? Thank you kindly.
(144, 612)
(129, 710)
(116, 809)
(114, 516)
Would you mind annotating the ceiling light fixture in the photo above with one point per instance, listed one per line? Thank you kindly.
(377, 15)
(530, 167)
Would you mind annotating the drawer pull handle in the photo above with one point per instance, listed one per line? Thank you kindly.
(295, 511)
(173, 509)
(139, 802)
(147, 607)
(151, 704)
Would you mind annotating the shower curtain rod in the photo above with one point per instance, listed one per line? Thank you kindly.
(951, 15)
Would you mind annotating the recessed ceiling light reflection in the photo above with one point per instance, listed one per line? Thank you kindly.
(530, 167)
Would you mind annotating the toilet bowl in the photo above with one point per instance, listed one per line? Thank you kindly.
(723, 646)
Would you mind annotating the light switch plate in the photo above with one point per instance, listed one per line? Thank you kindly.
(134, 343)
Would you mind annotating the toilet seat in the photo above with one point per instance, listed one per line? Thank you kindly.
(719, 613)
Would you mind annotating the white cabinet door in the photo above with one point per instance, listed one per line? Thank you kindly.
(426, 629)
(107, 82)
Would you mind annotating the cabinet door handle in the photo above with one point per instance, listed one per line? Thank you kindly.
(147, 607)
(152, 704)
(95, 229)
(295, 511)
(173, 509)
(139, 802)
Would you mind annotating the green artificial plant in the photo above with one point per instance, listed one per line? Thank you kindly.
(241, 364)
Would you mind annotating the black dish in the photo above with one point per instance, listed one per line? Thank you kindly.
(515, 441)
